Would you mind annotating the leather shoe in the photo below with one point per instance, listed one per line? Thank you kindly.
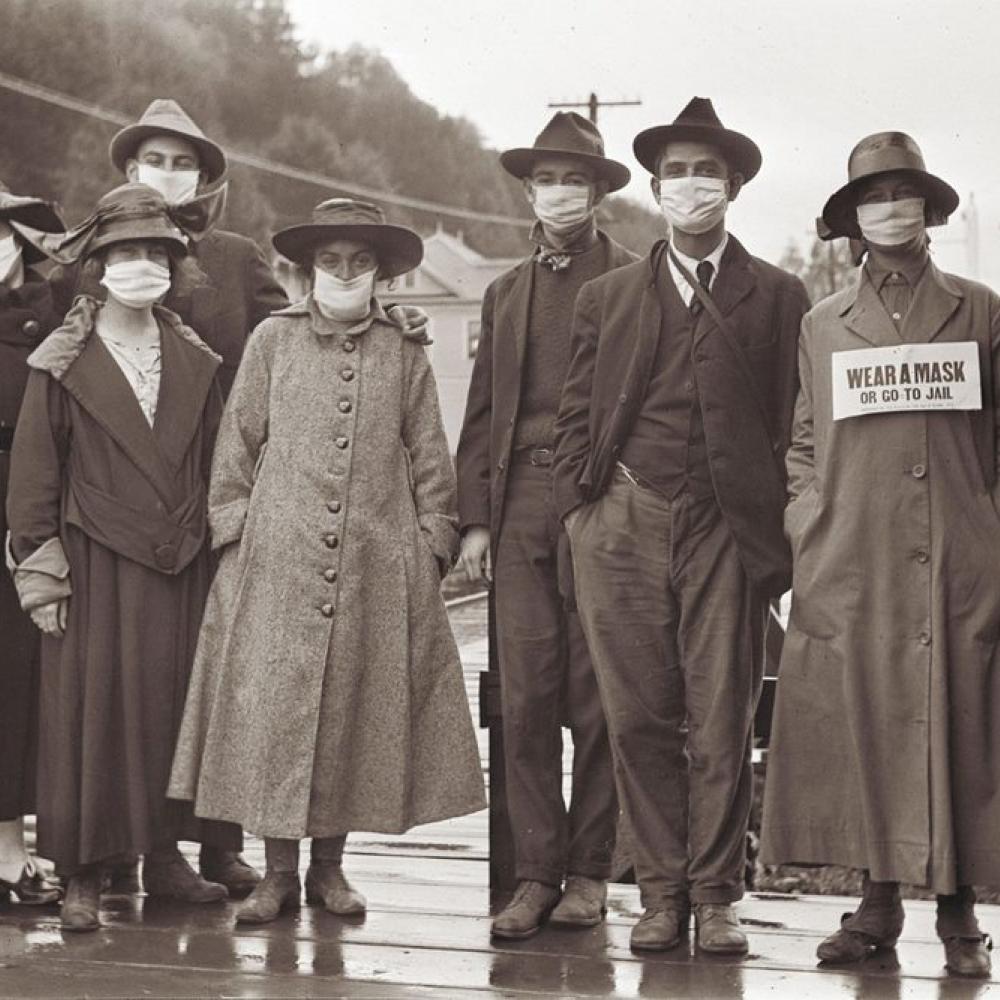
(228, 869)
(32, 888)
(172, 877)
(328, 885)
(83, 901)
(661, 926)
(717, 929)
(847, 945)
(276, 892)
(526, 912)
(582, 904)
(122, 879)
(968, 956)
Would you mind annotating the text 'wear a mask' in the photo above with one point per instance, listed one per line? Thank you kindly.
(694, 204)
(137, 283)
(176, 186)
(11, 269)
(892, 223)
(342, 299)
(562, 208)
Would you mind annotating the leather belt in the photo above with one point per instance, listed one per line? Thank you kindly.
(532, 456)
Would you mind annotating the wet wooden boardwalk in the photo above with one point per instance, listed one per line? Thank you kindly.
(427, 935)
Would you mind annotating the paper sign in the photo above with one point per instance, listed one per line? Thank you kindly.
(908, 377)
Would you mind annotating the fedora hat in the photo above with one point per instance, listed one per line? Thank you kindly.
(698, 122)
(398, 249)
(568, 134)
(164, 116)
(20, 210)
(884, 153)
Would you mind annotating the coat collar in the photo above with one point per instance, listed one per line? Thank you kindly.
(323, 327)
(935, 300)
(81, 363)
(737, 276)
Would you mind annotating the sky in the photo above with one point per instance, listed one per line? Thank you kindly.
(806, 79)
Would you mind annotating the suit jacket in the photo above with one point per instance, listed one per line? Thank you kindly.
(495, 390)
(747, 423)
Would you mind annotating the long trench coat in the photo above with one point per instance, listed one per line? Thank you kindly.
(327, 693)
(111, 512)
(885, 749)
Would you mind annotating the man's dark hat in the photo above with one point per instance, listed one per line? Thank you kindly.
(398, 249)
(884, 153)
(568, 134)
(698, 122)
(164, 116)
(32, 212)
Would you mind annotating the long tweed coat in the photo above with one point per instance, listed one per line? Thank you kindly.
(885, 752)
(327, 693)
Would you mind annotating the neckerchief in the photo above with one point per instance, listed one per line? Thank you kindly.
(560, 258)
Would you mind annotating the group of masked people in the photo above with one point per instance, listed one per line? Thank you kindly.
(652, 452)
(239, 607)
(220, 613)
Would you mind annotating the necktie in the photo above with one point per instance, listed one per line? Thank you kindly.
(704, 272)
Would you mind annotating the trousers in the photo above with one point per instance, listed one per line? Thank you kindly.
(546, 680)
(677, 636)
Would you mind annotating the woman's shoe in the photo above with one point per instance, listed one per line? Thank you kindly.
(32, 888)
(276, 892)
(83, 901)
(328, 885)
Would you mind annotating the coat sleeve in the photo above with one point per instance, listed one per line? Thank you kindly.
(264, 294)
(800, 459)
(35, 553)
(473, 455)
(795, 304)
(240, 444)
(572, 429)
(432, 474)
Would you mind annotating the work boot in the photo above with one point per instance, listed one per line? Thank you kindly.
(82, 904)
(328, 885)
(662, 925)
(229, 869)
(717, 929)
(274, 893)
(582, 904)
(966, 948)
(526, 912)
(877, 923)
(166, 874)
(122, 878)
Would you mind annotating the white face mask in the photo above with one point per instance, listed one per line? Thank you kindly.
(137, 283)
(11, 269)
(176, 186)
(892, 223)
(340, 299)
(694, 204)
(562, 207)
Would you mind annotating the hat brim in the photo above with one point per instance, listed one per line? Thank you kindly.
(520, 162)
(398, 249)
(212, 159)
(840, 211)
(741, 152)
(140, 230)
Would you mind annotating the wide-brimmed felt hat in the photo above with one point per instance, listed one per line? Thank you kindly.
(884, 153)
(568, 134)
(398, 249)
(21, 210)
(164, 116)
(698, 122)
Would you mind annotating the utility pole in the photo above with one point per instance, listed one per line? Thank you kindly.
(592, 104)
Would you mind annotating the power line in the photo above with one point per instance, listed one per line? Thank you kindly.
(592, 104)
(65, 101)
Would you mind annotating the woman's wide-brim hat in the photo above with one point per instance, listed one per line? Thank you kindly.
(398, 249)
(134, 212)
(166, 117)
(698, 122)
(886, 153)
(568, 134)
(20, 210)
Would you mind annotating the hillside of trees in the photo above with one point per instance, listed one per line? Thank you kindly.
(238, 69)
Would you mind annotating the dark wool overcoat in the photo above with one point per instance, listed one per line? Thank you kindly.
(113, 511)
(746, 398)
(885, 751)
(328, 694)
